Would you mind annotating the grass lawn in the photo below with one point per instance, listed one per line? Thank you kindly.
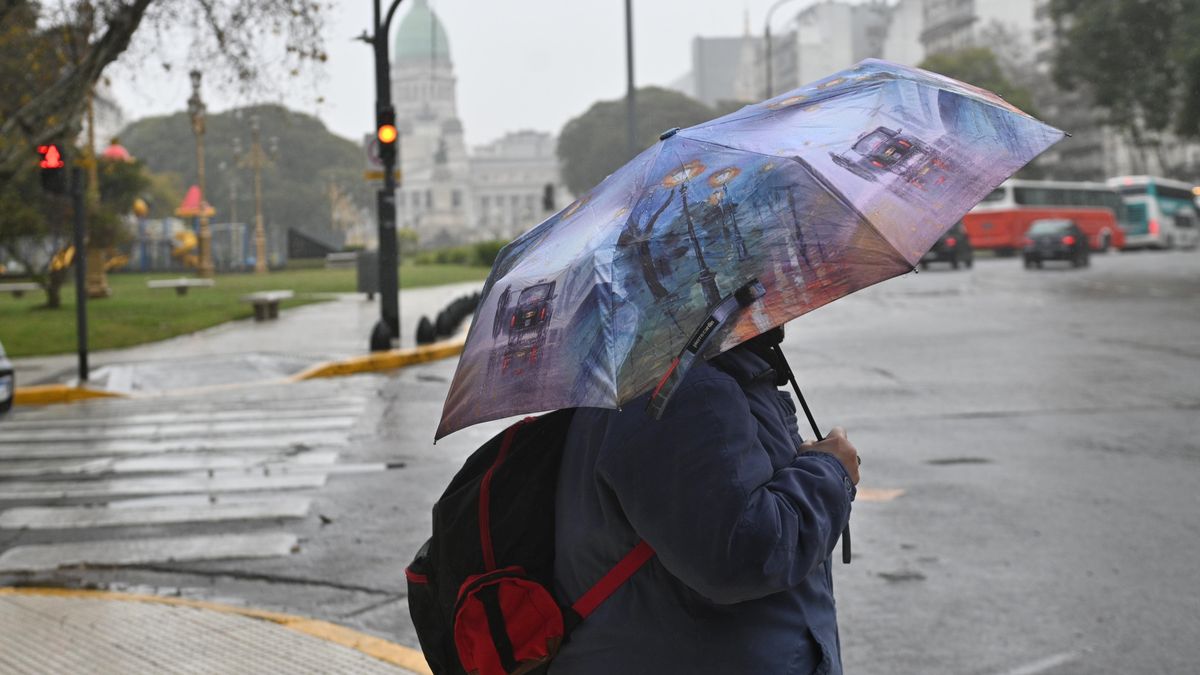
(136, 314)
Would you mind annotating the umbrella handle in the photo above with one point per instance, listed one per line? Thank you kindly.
(718, 316)
(816, 432)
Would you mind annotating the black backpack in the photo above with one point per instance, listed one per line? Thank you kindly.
(480, 589)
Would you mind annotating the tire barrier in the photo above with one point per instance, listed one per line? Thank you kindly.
(447, 321)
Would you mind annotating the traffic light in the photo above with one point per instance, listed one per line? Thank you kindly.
(385, 131)
(548, 197)
(53, 168)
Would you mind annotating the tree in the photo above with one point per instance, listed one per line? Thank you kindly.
(1139, 60)
(594, 144)
(296, 187)
(50, 59)
(981, 67)
(36, 228)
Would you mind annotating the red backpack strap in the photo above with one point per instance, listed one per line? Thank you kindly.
(611, 581)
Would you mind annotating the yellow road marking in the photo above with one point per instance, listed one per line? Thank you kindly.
(866, 494)
(389, 652)
(45, 394)
(389, 360)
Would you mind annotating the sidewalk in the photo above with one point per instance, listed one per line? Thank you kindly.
(246, 350)
(65, 631)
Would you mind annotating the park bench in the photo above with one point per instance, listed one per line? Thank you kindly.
(19, 289)
(181, 285)
(266, 303)
(343, 260)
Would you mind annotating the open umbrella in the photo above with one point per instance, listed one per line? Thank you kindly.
(725, 230)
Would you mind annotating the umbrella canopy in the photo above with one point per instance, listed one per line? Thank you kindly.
(814, 194)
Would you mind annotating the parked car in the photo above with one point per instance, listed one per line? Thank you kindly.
(8, 384)
(1055, 239)
(954, 247)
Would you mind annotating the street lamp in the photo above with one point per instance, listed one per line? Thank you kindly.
(767, 41)
(256, 160)
(388, 326)
(196, 110)
(630, 105)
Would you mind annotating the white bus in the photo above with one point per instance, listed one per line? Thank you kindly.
(1161, 212)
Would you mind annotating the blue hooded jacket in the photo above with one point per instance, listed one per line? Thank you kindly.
(742, 525)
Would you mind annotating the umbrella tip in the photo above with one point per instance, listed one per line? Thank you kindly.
(668, 133)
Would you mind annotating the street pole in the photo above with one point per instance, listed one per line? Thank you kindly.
(197, 109)
(81, 327)
(388, 326)
(257, 160)
(630, 103)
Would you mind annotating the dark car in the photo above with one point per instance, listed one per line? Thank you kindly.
(1055, 239)
(954, 247)
(8, 384)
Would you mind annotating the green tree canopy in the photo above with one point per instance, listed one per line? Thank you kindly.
(296, 187)
(1140, 60)
(594, 144)
(53, 54)
(980, 67)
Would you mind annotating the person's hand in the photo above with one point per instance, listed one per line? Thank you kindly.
(839, 446)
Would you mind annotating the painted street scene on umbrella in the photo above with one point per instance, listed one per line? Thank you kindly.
(424, 336)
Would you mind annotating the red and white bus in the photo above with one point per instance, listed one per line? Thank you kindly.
(999, 221)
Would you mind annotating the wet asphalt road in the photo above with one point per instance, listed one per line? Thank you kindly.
(1031, 476)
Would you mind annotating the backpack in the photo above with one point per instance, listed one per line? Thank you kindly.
(480, 589)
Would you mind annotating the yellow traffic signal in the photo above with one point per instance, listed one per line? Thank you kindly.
(387, 133)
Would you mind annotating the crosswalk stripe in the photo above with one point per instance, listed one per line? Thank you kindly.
(275, 442)
(181, 462)
(37, 557)
(174, 417)
(102, 408)
(161, 431)
(73, 517)
(156, 486)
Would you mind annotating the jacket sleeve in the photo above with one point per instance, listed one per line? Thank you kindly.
(699, 487)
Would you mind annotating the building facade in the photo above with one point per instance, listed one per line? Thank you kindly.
(447, 195)
(827, 37)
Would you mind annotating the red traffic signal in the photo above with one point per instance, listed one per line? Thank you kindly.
(54, 168)
(51, 157)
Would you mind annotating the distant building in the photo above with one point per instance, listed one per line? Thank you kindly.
(509, 180)
(903, 41)
(716, 66)
(957, 24)
(1095, 150)
(446, 195)
(825, 38)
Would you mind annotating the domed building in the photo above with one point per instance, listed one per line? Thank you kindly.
(445, 195)
(434, 197)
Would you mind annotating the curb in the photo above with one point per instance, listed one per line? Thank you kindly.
(49, 394)
(46, 394)
(389, 652)
(380, 361)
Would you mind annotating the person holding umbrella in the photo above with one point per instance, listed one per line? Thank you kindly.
(669, 283)
(742, 515)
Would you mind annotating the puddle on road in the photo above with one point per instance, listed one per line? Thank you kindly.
(949, 461)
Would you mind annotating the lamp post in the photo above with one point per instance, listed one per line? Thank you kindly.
(196, 110)
(767, 43)
(388, 326)
(256, 160)
(630, 104)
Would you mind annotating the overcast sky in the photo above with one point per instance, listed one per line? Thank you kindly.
(521, 64)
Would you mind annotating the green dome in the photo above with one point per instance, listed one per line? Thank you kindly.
(421, 35)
